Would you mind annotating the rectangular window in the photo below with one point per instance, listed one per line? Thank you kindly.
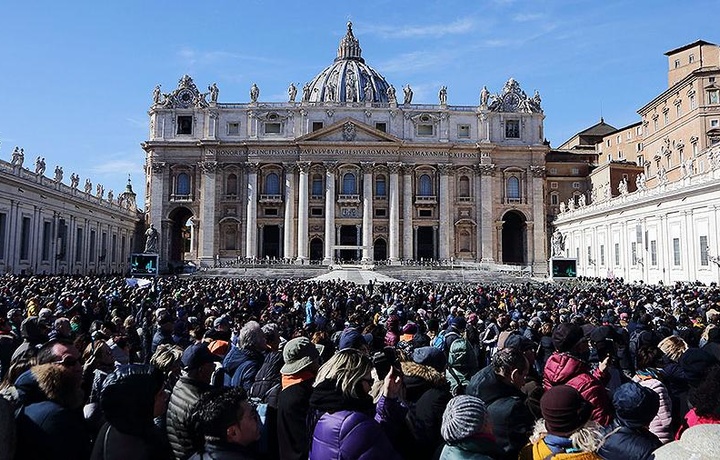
(122, 247)
(575, 171)
(553, 170)
(620, 154)
(576, 185)
(103, 246)
(633, 250)
(271, 211)
(677, 63)
(316, 212)
(693, 102)
(46, 239)
(272, 128)
(554, 199)
(463, 131)
(678, 110)
(317, 125)
(714, 123)
(666, 118)
(512, 129)
(381, 126)
(93, 251)
(553, 185)
(589, 255)
(380, 212)
(425, 213)
(62, 237)
(676, 252)
(3, 224)
(653, 253)
(425, 130)
(638, 131)
(184, 124)
(25, 239)
(233, 129)
(617, 254)
(113, 249)
(704, 260)
(713, 97)
(602, 254)
(691, 58)
(78, 244)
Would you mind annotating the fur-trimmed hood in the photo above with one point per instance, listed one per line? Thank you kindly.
(420, 378)
(49, 382)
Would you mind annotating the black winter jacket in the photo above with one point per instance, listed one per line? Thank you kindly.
(179, 429)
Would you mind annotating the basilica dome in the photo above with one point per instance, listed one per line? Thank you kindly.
(349, 79)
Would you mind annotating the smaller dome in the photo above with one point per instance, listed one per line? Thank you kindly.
(348, 78)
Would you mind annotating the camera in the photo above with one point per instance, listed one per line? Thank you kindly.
(384, 360)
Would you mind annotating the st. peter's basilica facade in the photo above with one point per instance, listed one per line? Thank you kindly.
(346, 169)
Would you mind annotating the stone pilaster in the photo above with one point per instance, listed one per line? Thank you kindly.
(487, 224)
(330, 170)
(408, 206)
(444, 207)
(367, 225)
(251, 228)
(394, 211)
(302, 232)
(289, 221)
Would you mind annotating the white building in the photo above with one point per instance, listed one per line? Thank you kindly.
(350, 170)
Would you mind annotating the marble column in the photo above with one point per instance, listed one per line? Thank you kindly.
(289, 221)
(444, 208)
(408, 234)
(251, 228)
(367, 222)
(207, 250)
(330, 170)
(394, 211)
(159, 191)
(539, 234)
(487, 224)
(302, 232)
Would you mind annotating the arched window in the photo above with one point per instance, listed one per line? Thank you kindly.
(426, 188)
(349, 184)
(317, 185)
(182, 186)
(464, 187)
(272, 184)
(513, 188)
(231, 186)
(380, 189)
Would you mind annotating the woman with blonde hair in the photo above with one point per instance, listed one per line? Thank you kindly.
(350, 426)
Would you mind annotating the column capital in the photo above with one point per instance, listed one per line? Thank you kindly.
(208, 167)
(394, 167)
(303, 166)
(158, 167)
(445, 169)
(330, 167)
(537, 171)
(408, 168)
(485, 169)
(290, 168)
(252, 167)
(367, 167)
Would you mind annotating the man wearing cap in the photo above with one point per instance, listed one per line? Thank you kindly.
(302, 361)
(199, 364)
(569, 366)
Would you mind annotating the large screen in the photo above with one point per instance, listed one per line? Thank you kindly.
(144, 264)
(564, 268)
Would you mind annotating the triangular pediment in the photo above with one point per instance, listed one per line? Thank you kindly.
(348, 130)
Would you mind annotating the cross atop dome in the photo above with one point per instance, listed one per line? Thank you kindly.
(349, 46)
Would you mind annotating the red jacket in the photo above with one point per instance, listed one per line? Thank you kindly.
(564, 369)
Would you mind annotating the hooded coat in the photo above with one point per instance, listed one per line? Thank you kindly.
(462, 365)
(50, 416)
(511, 418)
(565, 369)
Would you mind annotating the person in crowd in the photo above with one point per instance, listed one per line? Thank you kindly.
(566, 431)
(49, 422)
(427, 392)
(650, 375)
(164, 331)
(467, 430)
(302, 361)
(132, 397)
(462, 365)
(532, 387)
(349, 425)
(568, 366)
(168, 360)
(228, 425)
(244, 360)
(712, 345)
(498, 385)
(628, 436)
(199, 365)
(545, 347)
(705, 402)
(34, 334)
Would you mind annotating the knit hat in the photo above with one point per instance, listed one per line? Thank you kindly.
(298, 354)
(635, 405)
(352, 338)
(566, 336)
(518, 342)
(430, 356)
(696, 362)
(465, 417)
(564, 410)
(459, 323)
(699, 442)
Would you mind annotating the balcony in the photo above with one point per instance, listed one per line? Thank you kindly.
(348, 198)
(180, 198)
(425, 199)
(465, 199)
(270, 198)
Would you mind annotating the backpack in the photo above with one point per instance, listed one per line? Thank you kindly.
(439, 340)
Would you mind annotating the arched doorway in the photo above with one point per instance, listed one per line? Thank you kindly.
(181, 235)
(380, 249)
(316, 249)
(514, 237)
(271, 241)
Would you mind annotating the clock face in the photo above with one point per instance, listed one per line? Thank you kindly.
(512, 101)
(185, 97)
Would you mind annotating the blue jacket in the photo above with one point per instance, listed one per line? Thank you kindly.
(241, 366)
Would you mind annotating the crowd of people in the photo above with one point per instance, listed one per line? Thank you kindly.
(197, 368)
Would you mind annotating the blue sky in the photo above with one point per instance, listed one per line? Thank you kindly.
(76, 77)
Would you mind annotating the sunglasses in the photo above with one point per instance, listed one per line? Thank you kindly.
(68, 362)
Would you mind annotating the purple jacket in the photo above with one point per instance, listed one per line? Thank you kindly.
(352, 435)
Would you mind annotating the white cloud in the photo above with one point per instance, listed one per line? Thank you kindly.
(119, 166)
(459, 27)
(528, 17)
(192, 57)
(415, 61)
